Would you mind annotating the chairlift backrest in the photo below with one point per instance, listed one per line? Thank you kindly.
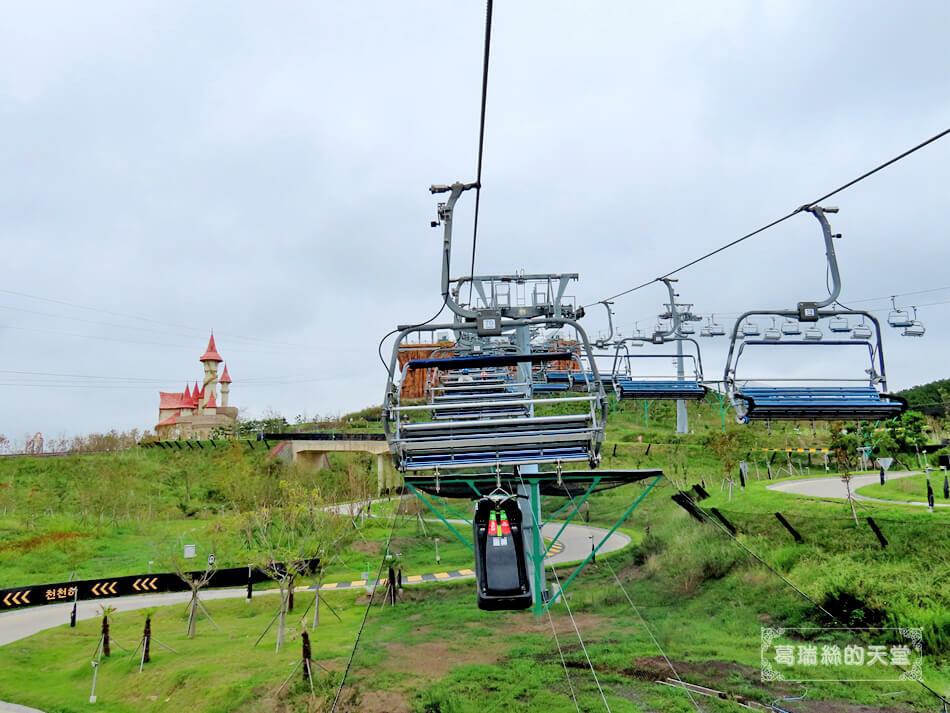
(839, 324)
(750, 329)
(791, 327)
(898, 317)
(754, 398)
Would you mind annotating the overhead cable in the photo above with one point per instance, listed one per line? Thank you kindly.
(481, 137)
(369, 606)
(785, 217)
(773, 570)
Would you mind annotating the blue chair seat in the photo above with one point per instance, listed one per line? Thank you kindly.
(502, 456)
(658, 390)
(550, 388)
(821, 403)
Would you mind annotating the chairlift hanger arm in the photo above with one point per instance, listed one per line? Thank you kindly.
(601, 343)
(674, 314)
(445, 217)
(829, 237)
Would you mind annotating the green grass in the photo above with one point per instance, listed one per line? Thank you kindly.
(435, 651)
(704, 597)
(212, 672)
(912, 488)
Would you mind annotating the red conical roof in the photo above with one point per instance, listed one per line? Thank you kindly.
(212, 402)
(195, 395)
(211, 353)
(187, 393)
(225, 377)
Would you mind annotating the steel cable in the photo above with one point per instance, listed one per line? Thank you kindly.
(577, 631)
(785, 217)
(778, 574)
(481, 139)
(642, 620)
(563, 662)
(656, 643)
(369, 606)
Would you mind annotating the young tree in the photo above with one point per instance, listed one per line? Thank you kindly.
(291, 538)
(106, 612)
(195, 581)
(147, 636)
(844, 444)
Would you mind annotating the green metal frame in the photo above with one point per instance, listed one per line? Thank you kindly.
(722, 406)
(441, 517)
(546, 605)
(538, 552)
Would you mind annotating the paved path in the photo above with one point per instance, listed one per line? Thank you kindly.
(834, 487)
(573, 545)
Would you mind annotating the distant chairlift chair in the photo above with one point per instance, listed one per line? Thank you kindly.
(759, 402)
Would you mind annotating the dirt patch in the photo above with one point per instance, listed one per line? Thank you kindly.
(587, 623)
(367, 548)
(383, 702)
(717, 675)
(41, 540)
(439, 656)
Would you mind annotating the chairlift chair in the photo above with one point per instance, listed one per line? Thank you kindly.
(629, 386)
(773, 333)
(839, 324)
(868, 402)
(715, 329)
(915, 328)
(706, 331)
(791, 327)
(899, 317)
(861, 331)
(750, 329)
(484, 433)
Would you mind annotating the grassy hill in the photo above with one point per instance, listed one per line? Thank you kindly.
(703, 595)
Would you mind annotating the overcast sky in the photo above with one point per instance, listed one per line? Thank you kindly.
(262, 169)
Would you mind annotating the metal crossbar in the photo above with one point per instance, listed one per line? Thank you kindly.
(593, 553)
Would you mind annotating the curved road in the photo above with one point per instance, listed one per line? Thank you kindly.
(573, 545)
(834, 487)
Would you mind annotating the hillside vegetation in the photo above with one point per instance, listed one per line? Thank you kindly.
(704, 594)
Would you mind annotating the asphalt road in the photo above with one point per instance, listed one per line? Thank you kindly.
(573, 545)
(834, 487)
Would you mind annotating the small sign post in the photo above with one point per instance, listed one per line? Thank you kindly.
(190, 552)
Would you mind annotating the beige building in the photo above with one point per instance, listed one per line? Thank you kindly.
(195, 413)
